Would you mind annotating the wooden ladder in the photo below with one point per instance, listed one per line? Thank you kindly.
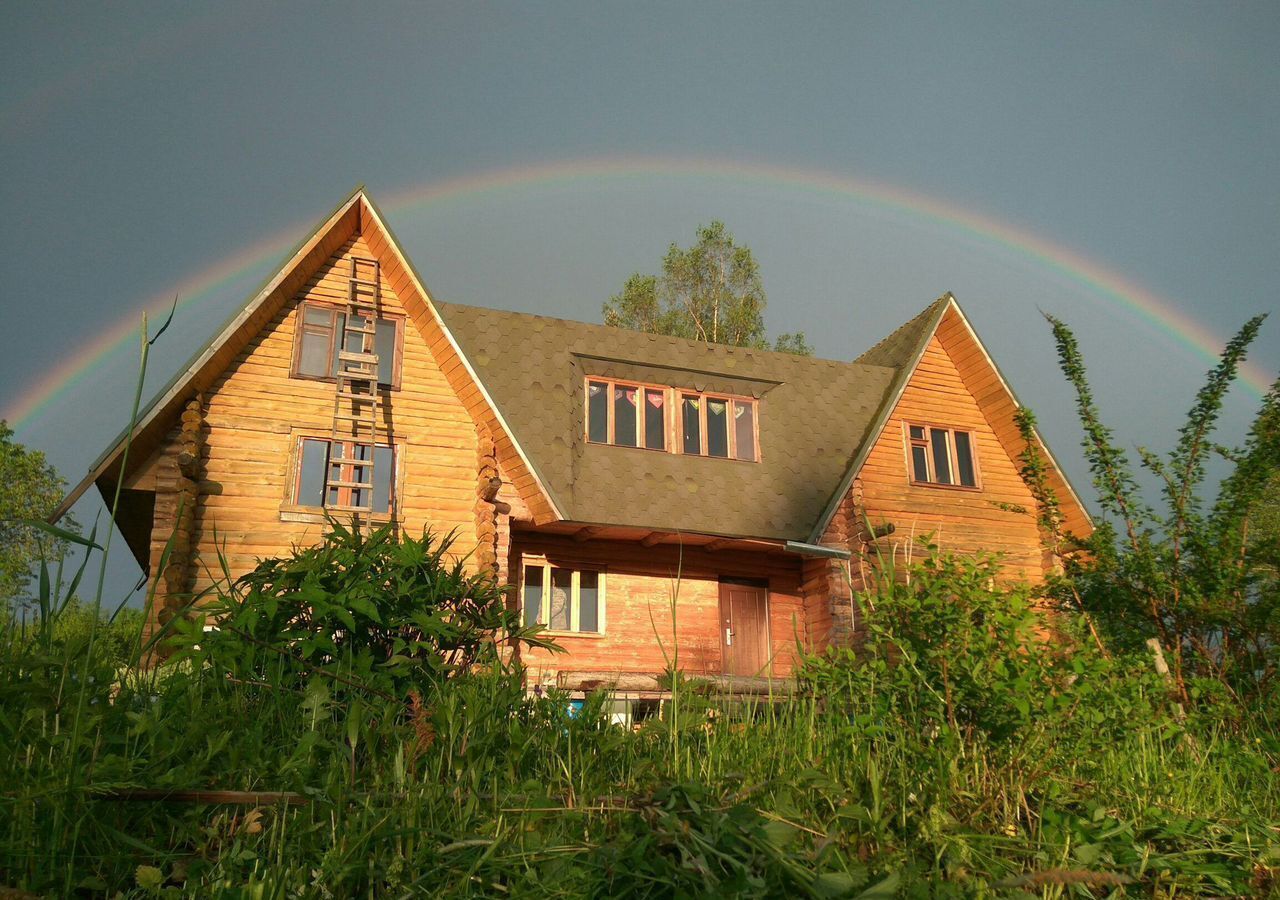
(349, 478)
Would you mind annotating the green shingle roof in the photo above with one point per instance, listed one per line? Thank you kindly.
(901, 348)
(814, 416)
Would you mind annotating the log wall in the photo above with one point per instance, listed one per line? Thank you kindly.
(254, 414)
(640, 583)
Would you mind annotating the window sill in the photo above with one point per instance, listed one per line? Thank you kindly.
(592, 635)
(383, 387)
(312, 515)
(628, 446)
(977, 489)
(664, 450)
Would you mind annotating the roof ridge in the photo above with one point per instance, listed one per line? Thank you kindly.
(445, 308)
(894, 349)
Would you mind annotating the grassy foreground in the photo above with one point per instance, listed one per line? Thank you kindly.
(960, 766)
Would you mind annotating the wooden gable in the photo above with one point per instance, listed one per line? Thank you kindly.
(953, 383)
(255, 414)
(963, 520)
(355, 219)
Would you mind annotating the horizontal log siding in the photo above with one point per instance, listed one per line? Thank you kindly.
(255, 411)
(986, 386)
(162, 474)
(961, 520)
(639, 585)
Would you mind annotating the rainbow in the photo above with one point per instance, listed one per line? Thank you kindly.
(1162, 314)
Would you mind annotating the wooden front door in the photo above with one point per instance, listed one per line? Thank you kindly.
(744, 628)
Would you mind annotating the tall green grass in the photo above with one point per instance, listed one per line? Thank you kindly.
(477, 789)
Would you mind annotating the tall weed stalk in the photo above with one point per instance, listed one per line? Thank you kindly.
(1191, 574)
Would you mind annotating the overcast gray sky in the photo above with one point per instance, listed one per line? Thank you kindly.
(1023, 156)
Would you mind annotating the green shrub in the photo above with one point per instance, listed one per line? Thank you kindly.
(946, 647)
(1196, 574)
(950, 650)
(377, 612)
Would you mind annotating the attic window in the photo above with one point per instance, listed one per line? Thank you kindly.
(626, 415)
(724, 427)
(315, 351)
(941, 456)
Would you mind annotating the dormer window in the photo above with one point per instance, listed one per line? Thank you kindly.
(626, 415)
(718, 426)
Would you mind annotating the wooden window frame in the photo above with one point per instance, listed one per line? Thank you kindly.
(294, 504)
(952, 461)
(731, 400)
(334, 309)
(575, 600)
(610, 432)
(672, 417)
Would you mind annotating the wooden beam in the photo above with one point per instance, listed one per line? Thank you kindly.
(236, 798)
(585, 534)
(609, 681)
(488, 487)
(654, 682)
(653, 538)
(718, 544)
(876, 532)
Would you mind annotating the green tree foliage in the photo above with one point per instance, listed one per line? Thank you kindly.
(30, 488)
(1265, 526)
(383, 613)
(711, 292)
(1198, 576)
(948, 649)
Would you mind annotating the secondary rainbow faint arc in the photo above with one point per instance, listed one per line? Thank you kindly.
(1161, 313)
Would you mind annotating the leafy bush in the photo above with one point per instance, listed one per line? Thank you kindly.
(380, 613)
(862, 788)
(70, 625)
(950, 652)
(1198, 576)
(946, 648)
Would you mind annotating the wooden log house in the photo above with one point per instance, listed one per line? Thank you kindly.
(646, 497)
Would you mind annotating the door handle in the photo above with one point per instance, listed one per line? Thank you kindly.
(728, 637)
